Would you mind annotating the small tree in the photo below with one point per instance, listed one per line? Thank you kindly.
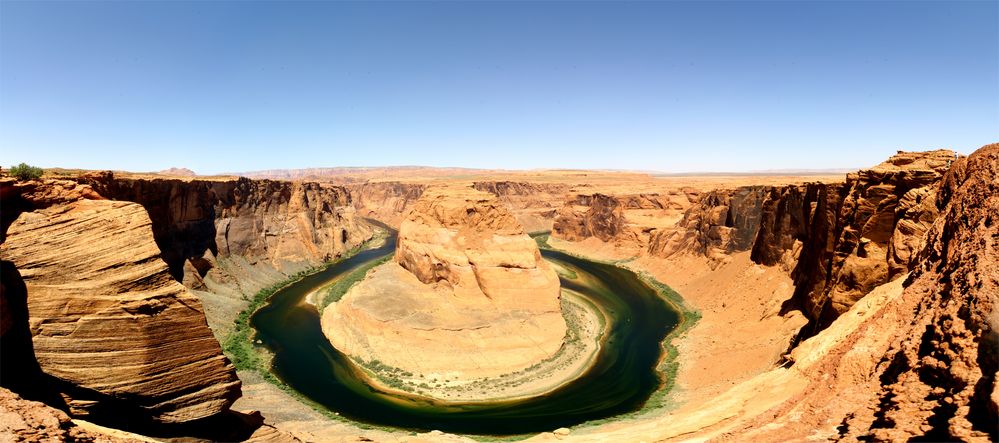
(25, 171)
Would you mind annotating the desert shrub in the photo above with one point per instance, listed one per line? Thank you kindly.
(25, 171)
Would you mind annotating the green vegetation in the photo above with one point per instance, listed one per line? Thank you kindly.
(238, 345)
(335, 292)
(245, 356)
(25, 171)
(669, 364)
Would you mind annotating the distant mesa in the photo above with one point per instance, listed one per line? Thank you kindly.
(178, 172)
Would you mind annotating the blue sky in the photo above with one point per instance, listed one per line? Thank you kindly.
(670, 86)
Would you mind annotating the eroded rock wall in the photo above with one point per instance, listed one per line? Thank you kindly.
(628, 221)
(915, 359)
(283, 224)
(721, 223)
(534, 204)
(838, 240)
(120, 338)
(853, 237)
(388, 202)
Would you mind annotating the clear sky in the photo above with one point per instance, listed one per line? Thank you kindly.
(670, 86)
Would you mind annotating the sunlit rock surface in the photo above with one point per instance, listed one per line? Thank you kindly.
(467, 295)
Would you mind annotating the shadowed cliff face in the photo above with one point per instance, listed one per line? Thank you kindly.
(110, 330)
(853, 237)
(939, 381)
(623, 220)
(279, 223)
(838, 241)
(724, 221)
(387, 202)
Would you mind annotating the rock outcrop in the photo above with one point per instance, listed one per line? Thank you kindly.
(852, 237)
(914, 360)
(628, 221)
(118, 336)
(25, 420)
(286, 225)
(387, 202)
(838, 240)
(534, 204)
(939, 379)
(722, 222)
(468, 294)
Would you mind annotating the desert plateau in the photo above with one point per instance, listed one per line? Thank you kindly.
(575, 221)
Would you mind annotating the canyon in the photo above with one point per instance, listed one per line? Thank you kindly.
(855, 308)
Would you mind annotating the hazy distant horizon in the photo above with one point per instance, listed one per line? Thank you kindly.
(672, 87)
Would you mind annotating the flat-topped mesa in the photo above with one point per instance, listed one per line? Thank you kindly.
(468, 295)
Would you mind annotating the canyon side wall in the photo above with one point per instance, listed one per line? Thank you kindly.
(534, 204)
(228, 239)
(93, 320)
(387, 202)
(916, 358)
(108, 282)
(628, 221)
(838, 241)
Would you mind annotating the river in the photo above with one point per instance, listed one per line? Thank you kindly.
(621, 379)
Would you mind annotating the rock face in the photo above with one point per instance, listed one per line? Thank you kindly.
(119, 336)
(940, 379)
(838, 241)
(284, 224)
(24, 420)
(912, 361)
(625, 220)
(467, 295)
(387, 202)
(853, 237)
(534, 204)
(723, 222)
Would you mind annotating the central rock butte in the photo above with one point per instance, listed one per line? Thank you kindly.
(467, 296)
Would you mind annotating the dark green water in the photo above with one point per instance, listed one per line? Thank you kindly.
(621, 380)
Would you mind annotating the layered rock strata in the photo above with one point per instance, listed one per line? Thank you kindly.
(467, 296)
(838, 241)
(628, 221)
(387, 202)
(119, 337)
(228, 239)
(284, 224)
(721, 223)
(534, 204)
(912, 361)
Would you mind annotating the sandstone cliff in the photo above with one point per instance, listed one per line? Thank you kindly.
(468, 295)
(628, 221)
(534, 204)
(281, 223)
(912, 361)
(227, 239)
(722, 222)
(853, 237)
(110, 330)
(387, 202)
(838, 241)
